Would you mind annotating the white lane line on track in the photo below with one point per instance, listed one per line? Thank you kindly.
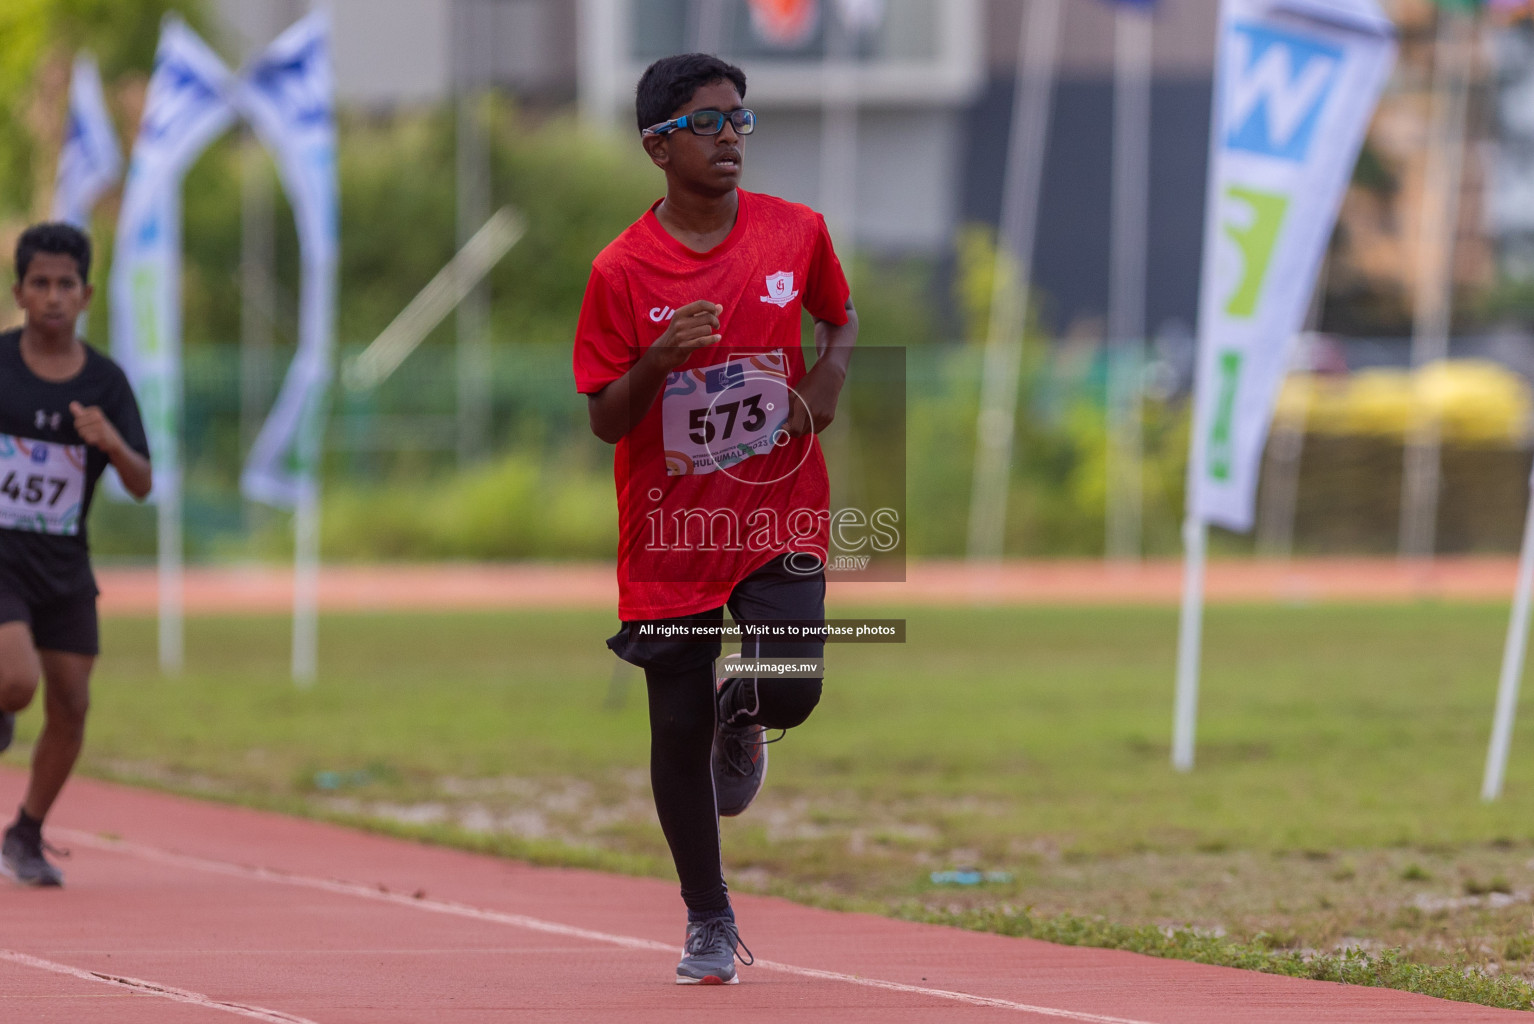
(382, 895)
(153, 988)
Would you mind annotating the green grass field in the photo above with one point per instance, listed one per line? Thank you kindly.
(1334, 805)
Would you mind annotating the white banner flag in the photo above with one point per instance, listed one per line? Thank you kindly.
(1296, 84)
(187, 107)
(288, 96)
(91, 159)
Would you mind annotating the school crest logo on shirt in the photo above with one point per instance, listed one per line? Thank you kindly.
(780, 288)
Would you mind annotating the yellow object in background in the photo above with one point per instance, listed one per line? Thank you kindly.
(1475, 401)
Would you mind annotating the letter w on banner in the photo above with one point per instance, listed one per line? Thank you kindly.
(288, 97)
(1296, 85)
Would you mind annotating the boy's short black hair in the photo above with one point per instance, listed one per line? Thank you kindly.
(671, 81)
(57, 238)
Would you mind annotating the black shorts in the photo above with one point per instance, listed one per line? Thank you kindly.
(66, 623)
(773, 593)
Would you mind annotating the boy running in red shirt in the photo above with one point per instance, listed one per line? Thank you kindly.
(688, 350)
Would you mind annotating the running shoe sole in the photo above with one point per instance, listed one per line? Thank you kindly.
(7, 873)
(50, 877)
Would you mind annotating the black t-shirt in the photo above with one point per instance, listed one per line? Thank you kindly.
(32, 411)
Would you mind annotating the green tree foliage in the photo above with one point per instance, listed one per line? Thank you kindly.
(39, 39)
(398, 224)
(577, 190)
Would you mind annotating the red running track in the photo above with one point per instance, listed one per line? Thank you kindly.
(181, 911)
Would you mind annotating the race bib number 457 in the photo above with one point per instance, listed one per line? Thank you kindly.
(716, 416)
(41, 485)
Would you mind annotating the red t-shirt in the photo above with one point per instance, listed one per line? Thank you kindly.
(709, 490)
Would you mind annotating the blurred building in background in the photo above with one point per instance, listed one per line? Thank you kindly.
(923, 90)
(392, 53)
(930, 88)
(1510, 209)
(903, 89)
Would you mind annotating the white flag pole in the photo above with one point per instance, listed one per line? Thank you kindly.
(1453, 53)
(1126, 298)
(171, 584)
(171, 521)
(1195, 543)
(1190, 630)
(171, 577)
(306, 587)
(170, 525)
(1512, 665)
(473, 353)
(838, 134)
(1038, 55)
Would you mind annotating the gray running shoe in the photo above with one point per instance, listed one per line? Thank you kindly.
(7, 729)
(22, 860)
(740, 752)
(739, 766)
(709, 953)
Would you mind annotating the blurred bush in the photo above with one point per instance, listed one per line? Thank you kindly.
(523, 506)
(1352, 458)
(1056, 505)
(1474, 402)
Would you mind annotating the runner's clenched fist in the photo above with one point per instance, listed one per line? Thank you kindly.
(694, 326)
(94, 428)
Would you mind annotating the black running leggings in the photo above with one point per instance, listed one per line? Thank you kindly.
(681, 738)
(680, 681)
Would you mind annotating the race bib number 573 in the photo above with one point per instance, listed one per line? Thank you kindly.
(716, 416)
(42, 485)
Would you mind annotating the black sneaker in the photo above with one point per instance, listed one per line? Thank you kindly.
(7, 729)
(740, 755)
(22, 860)
(709, 953)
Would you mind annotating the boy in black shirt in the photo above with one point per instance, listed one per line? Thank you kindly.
(66, 412)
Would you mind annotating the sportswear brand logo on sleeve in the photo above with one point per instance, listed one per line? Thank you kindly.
(780, 288)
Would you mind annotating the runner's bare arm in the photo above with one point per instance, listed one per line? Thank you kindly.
(822, 385)
(618, 407)
(96, 430)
